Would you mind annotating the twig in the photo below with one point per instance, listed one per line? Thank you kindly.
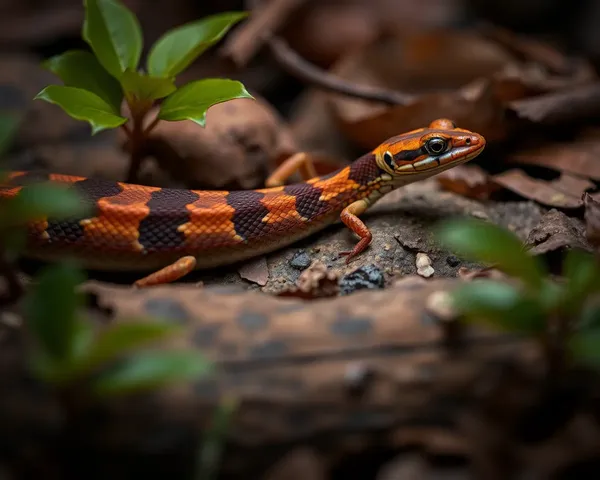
(575, 105)
(295, 65)
(266, 19)
(150, 127)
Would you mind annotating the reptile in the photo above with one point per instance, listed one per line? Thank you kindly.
(170, 232)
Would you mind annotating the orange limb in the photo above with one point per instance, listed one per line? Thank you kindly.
(168, 274)
(351, 220)
(298, 162)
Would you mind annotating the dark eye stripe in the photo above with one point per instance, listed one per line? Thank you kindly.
(410, 154)
(389, 159)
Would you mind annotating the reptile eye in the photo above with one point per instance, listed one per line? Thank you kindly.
(436, 145)
(388, 158)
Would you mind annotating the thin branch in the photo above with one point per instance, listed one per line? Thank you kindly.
(150, 127)
(295, 65)
(267, 19)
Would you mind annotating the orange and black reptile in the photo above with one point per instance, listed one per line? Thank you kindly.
(174, 231)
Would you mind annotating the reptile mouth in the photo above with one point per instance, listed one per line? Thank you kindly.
(440, 165)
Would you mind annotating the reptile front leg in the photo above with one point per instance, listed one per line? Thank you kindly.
(351, 220)
(298, 162)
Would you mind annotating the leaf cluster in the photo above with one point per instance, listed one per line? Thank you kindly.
(97, 81)
(528, 306)
(69, 349)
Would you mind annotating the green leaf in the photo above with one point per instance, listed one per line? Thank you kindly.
(114, 34)
(500, 304)
(144, 87)
(178, 48)
(43, 200)
(584, 346)
(83, 105)
(192, 101)
(51, 308)
(148, 370)
(9, 124)
(81, 69)
(590, 317)
(489, 243)
(120, 338)
(582, 272)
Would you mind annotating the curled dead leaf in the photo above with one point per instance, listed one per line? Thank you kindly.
(564, 192)
(557, 232)
(469, 181)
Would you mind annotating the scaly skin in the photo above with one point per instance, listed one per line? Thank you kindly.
(135, 227)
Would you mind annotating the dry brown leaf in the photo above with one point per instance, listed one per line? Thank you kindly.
(459, 75)
(564, 192)
(554, 232)
(469, 181)
(579, 157)
(256, 271)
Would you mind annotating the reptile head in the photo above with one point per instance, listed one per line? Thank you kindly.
(427, 151)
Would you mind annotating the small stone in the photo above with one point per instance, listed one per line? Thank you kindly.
(300, 260)
(424, 267)
(369, 276)
(453, 260)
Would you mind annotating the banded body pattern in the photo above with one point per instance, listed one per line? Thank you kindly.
(135, 226)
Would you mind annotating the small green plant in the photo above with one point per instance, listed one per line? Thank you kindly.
(563, 314)
(68, 350)
(96, 82)
(32, 203)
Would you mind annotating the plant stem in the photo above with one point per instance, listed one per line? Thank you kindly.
(151, 126)
(137, 138)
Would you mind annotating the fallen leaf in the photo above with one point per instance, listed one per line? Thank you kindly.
(565, 192)
(556, 232)
(255, 270)
(578, 157)
(469, 181)
(459, 75)
(560, 107)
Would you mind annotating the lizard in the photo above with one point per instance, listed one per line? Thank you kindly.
(170, 232)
